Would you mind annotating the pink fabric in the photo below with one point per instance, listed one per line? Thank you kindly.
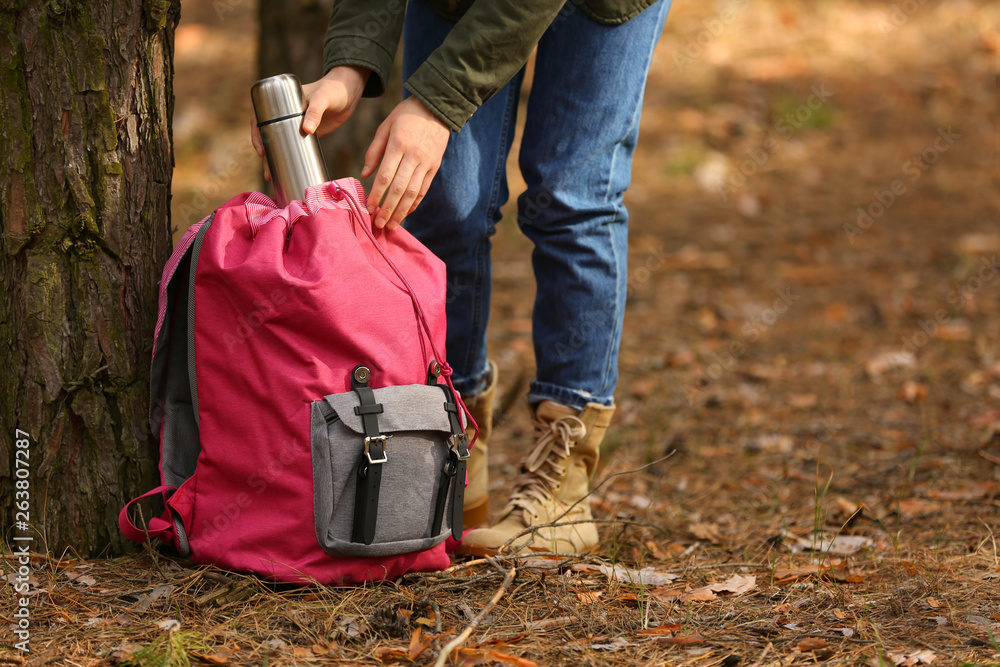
(287, 302)
(158, 526)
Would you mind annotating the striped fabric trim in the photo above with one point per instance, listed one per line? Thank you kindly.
(262, 210)
(168, 273)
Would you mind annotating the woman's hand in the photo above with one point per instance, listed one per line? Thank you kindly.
(407, 149)
(330, 102)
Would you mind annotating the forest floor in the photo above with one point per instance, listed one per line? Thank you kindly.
(812, 338)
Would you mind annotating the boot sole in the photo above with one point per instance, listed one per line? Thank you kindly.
(486, 552)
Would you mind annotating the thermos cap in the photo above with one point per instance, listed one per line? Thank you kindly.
(277, 97)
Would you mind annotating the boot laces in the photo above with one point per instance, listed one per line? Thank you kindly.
(542, 469)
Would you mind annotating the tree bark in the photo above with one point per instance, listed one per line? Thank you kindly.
(291, 41)
(85, 167)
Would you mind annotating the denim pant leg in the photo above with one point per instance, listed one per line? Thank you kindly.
(576, 156)
(458, 215)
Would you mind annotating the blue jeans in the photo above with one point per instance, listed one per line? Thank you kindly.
(576, 157)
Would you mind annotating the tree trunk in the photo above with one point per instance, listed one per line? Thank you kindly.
(291, 41)
(85, 166)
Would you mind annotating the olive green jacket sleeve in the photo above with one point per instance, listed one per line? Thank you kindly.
(490, 42)
(485, 49)
(365, 33)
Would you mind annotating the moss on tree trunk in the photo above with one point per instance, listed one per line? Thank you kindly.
(85, 166)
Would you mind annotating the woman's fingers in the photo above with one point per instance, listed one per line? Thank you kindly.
(255, 139)
(407, 149)
(373, 156)
(403, 190)
(424, 187)
(258, 144)
(388, 186)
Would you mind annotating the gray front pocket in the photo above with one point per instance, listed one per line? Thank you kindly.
(412, 476)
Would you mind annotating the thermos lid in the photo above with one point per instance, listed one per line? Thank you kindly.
(276, 97)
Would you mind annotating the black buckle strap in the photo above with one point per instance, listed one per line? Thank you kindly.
(457, 458)
(370, 467)
(441, 503)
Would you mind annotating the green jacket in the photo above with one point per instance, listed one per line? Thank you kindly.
(489, 45)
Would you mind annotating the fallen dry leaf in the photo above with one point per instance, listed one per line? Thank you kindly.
(812, 644)
(616, 644)
(680, 640)
(706, 531)
(587, 597)
(647, 576)
(542, 562)
(665, 629)
(777, 443)
(383, 653)
(319, 650)
(879, 364)
(840, 545)
(699, 595)
(802, 401)
(124, 652)
(846, 508)
(655, 550)
(736, 585)
(169, 624)
(350, 627)
(220, 657)
(915, 507)
(974, 492)
(418, 644)
(977, 243)
(542, 624)
(834, 570)
(914, 391)
(955, 330)
(474, 656)
(911, 659)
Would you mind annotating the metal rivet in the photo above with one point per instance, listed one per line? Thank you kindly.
(361, 374)
(436, 369)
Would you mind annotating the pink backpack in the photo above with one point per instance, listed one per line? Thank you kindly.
(304, 433)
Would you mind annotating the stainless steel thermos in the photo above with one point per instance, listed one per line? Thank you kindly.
(295, 160)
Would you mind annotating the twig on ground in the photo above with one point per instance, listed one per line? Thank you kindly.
(989, 457)
(719, 566)
(148, 545)
(459, 640)
(459, 566)
(763, 654)
(427, 602)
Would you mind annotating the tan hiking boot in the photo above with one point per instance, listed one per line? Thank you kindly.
(553, 485)
(477, 493)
